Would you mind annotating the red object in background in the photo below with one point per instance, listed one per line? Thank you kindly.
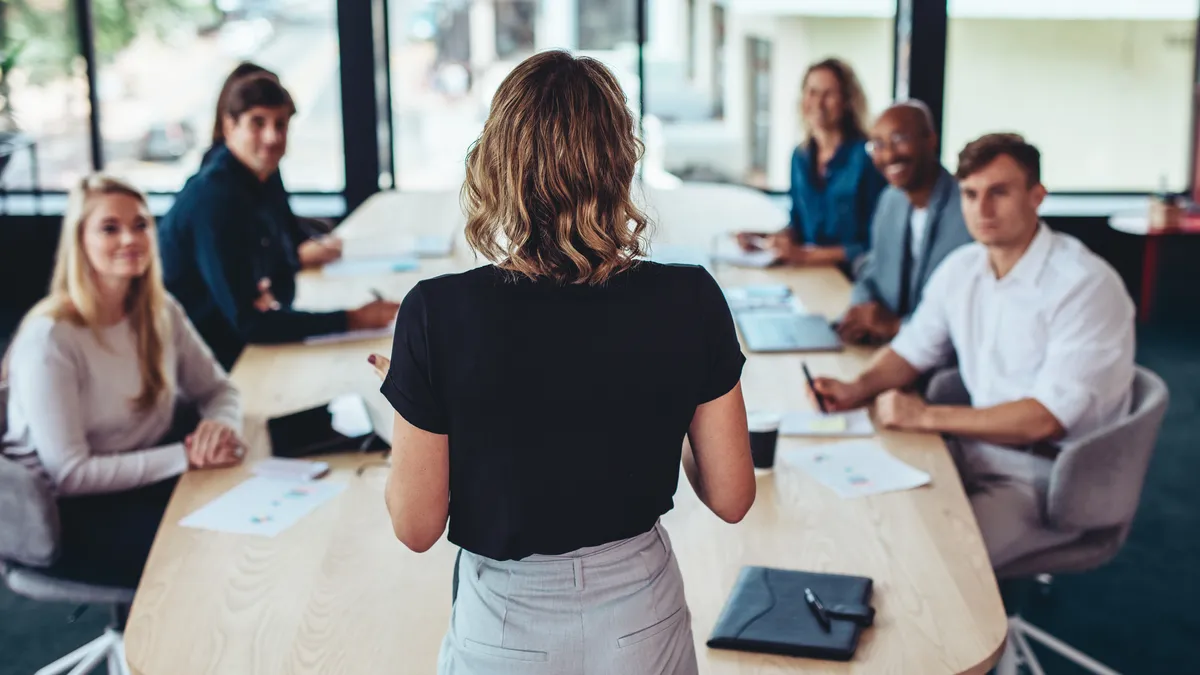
(1138, 225)
(1188, 224)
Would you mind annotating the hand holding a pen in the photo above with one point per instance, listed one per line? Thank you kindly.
(379, 313)
(830, 395)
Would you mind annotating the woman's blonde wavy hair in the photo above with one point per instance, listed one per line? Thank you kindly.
(74, 297)
(547, 192)
(855, 117)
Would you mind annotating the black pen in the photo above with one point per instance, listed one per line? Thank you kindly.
(367, 443)
(377, 294)
(818, 610)
(813, 386)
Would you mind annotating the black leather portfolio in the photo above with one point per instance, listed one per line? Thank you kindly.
(342, 425)
(767, 612)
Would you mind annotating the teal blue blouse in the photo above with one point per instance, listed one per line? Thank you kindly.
(836, 209)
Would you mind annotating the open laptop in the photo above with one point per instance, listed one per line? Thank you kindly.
(770, 330)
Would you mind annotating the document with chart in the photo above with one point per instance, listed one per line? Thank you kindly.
(263, 506)
(855, 468)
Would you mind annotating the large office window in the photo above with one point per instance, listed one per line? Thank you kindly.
(718, 111)
(449, 56)
(606, 24)
(161, 64)
(1103, 88)
(43, 97)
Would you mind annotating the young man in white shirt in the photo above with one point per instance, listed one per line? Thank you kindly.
(1044, 333)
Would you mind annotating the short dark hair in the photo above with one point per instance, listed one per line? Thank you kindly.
(985, 149)
(253, 91)
(244, 69)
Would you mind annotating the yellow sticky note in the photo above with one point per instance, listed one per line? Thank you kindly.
(827, 425)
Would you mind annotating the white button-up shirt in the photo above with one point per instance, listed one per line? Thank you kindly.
(1058, 328)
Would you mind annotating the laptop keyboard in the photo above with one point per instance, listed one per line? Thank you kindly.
(776, 331)
(773, 331)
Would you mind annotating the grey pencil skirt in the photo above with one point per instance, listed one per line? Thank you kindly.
(615, 609)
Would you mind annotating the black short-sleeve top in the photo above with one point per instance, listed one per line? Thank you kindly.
(565, 405)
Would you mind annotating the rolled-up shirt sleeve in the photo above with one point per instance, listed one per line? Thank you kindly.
(1090, 349)
(924, 341)
(409, 385)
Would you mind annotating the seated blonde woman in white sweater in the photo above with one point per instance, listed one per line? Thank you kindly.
(95, 372)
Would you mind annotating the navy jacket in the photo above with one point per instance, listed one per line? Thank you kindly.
(226, 231)
(297, 228)
(835, 211)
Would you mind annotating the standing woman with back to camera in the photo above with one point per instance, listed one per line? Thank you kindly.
(542, 401)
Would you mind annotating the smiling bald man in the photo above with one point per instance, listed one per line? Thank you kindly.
(918, 222)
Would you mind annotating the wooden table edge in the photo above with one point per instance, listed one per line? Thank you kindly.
(983, 667)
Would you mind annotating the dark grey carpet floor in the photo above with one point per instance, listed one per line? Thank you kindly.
(1139, 614)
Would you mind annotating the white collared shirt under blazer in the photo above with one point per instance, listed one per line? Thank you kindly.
(1058, 328)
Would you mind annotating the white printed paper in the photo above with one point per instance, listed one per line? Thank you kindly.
(262, 506)
(421, 246)
(752, 259)
(433, 246)
(289, 469)
(815, 423)
(770, 296)
(855, 468)
(349, 416)
(351, 336)
(354, 267)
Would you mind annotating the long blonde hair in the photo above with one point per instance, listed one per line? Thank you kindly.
(547, 192)
(74, 297)
(854, 116)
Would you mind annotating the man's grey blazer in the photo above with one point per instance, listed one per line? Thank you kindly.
(880, 277)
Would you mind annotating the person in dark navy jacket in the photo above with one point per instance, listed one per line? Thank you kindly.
(228, 255)
(315, 245)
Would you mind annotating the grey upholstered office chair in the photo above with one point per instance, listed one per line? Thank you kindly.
(1095, 486)
(29, 543)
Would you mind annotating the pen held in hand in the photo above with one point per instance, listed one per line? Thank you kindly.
(813, 386)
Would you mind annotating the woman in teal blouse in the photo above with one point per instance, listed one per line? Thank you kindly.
(834, 184)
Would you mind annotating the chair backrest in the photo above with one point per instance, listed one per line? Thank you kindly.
(1097, 480)
(29, 525)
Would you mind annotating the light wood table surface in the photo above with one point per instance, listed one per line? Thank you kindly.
(336, 593)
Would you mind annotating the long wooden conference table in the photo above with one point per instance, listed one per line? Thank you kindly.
(337, 593)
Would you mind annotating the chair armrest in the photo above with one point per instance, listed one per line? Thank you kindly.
(946, 388)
